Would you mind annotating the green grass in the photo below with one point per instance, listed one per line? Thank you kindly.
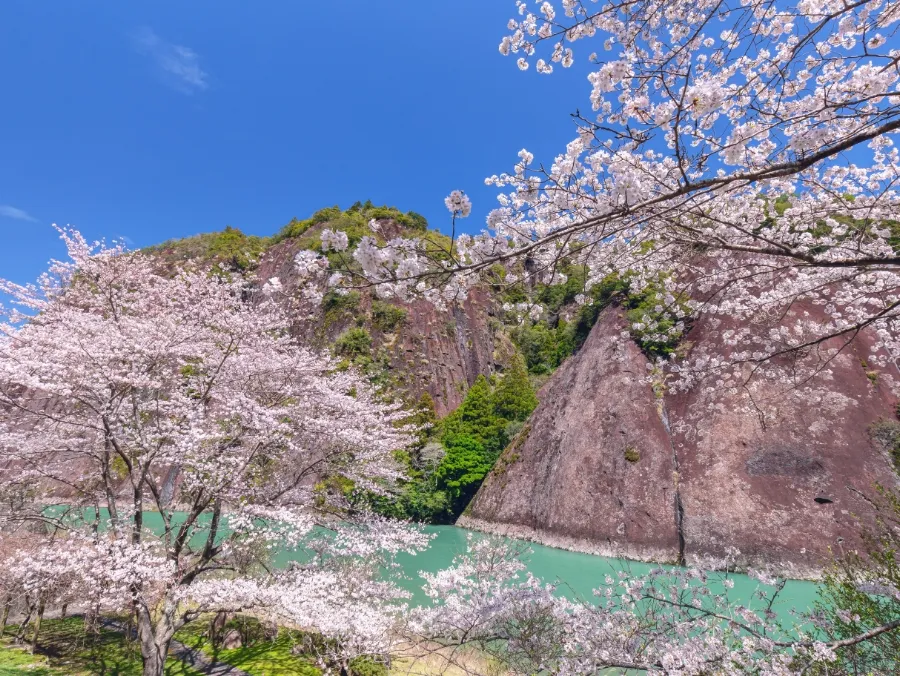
(263, 658)
(15, 661)
(65, 650)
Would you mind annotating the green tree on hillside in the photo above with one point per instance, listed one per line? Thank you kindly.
(514, 398)
(476, 418)
(472, 438)
(463, 469)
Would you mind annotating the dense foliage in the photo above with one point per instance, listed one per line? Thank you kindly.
(569, 312)
(454, 455)
(128, 391)
(354, 221)
(228, 249)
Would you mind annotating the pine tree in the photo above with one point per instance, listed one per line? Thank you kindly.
(477, 410)
(514, 398)
(476, 418)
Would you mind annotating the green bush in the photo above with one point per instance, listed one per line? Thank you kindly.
(353, 343)
(366, 666)
(333, 301)
(236, 248)
(545, 347)
(228, 249)
(297, 228)
(354, 221)
(387, 317)
(338, 307)
(417, 221)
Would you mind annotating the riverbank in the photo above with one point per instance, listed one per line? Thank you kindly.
(615, 551)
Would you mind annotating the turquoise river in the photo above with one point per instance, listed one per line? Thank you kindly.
(576, 574)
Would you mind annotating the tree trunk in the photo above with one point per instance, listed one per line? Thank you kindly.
(7, 606)
(155, 638)
(62, 611)
(153, 655)
(24, 626)
(154, 664)
(37, 625)
(92, 618)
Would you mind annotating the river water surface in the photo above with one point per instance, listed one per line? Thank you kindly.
(579, 574)
(576, 574)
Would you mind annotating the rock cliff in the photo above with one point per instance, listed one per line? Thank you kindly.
(430, 350)
(610, 464)
(433, 351)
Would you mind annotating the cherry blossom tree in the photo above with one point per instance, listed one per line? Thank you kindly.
(184, 430)
(739, 152)
(669, 621)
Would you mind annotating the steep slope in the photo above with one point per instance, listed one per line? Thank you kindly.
(593, 469)
(703, 473)
(790, 481)
(413, 347)
(428, 350)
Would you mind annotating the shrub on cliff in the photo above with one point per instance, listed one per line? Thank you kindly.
(387, 317)
(657, 320)
(354, 221)
(353, 343)
(229, 249)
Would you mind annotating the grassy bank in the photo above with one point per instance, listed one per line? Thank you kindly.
(65, 649)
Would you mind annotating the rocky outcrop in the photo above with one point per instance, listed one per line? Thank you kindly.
(593, 469)
(434, 351)
(707, 471)
(789, 476)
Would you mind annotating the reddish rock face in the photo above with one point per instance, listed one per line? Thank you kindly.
(593, 469)
(783, 485)
(434, 351)
(788, 477)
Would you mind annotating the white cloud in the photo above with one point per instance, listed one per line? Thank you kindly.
(179, 65)
(7, 211)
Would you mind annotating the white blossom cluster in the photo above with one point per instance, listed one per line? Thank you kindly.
(715, 156)
(198, 400)
(669, 621)
(458, 203)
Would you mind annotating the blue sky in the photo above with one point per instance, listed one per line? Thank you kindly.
(152, 120)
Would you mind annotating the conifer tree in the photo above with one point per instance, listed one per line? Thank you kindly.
(476, 418)
(514, 398)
